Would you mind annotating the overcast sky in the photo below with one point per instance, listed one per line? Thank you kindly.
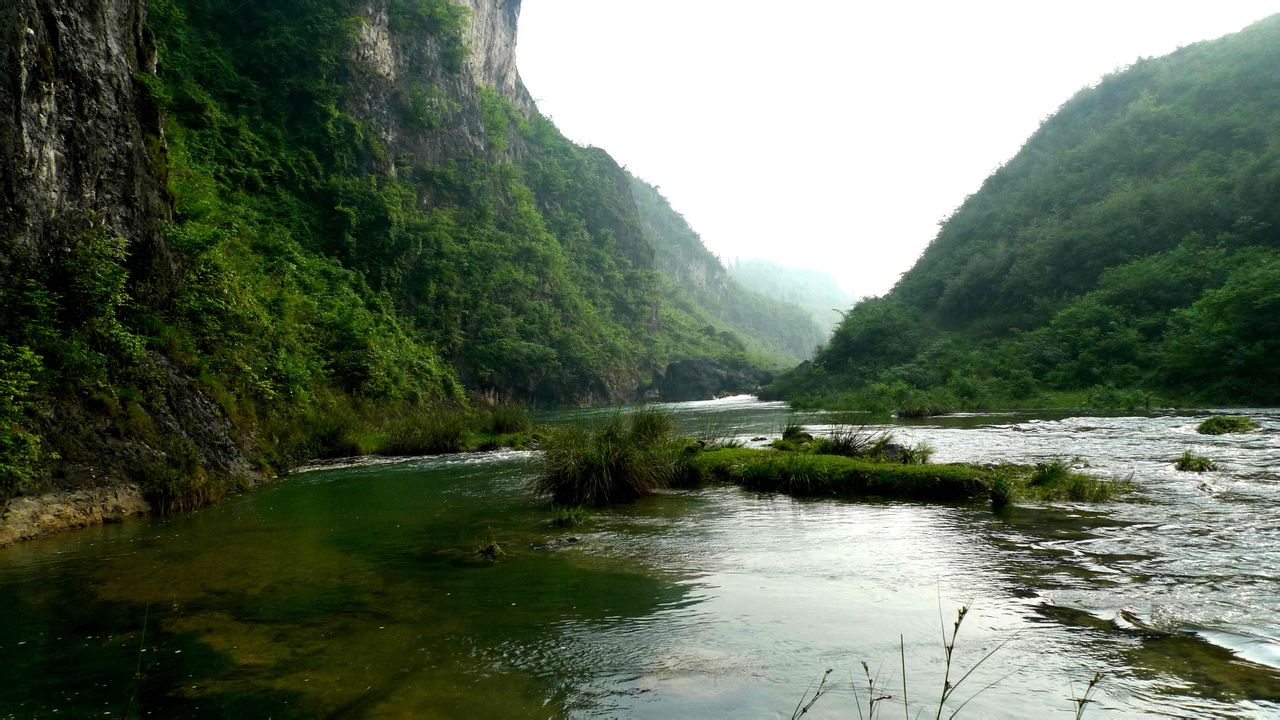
(832, 134)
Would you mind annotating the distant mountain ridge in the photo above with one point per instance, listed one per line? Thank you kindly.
(810, 289)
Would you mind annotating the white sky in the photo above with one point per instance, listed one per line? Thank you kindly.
(832, 134)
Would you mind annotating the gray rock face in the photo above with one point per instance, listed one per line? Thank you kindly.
(79, 136)
(81, 145)
(706, 379)
(491, 36)
(398, 68)
(29, 517)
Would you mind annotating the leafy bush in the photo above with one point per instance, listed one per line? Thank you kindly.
(1226, 424)
(923, 409)
(20, 450)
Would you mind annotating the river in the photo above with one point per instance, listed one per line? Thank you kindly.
(354, 590)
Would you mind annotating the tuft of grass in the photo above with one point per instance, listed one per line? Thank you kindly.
(1052, 473)
(625, 458)
(1056, 480)
(570, 516)
(918, 454)
(489, 549)
(716, 435)
(1226, 424)
(794, 432)
(854, 441)
(1194, 463)
(1003, 492)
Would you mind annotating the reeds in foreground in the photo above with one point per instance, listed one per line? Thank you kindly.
(877, 695)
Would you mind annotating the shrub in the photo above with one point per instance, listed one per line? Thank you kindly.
(19, 447)
(1194, 463)
(1225, 424)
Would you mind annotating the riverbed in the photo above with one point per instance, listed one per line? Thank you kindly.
(355, 589)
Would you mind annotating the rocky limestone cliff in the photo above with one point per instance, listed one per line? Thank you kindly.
(80, 141)
(423, 109)
(491, 39)
(82, 152)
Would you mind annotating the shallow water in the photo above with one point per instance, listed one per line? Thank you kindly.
(354, 591)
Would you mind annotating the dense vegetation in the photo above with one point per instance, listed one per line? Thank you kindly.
(349, 256)
(1128, 254)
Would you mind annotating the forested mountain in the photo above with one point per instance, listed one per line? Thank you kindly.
(227, 223)
(1132, 247)
(815, 291)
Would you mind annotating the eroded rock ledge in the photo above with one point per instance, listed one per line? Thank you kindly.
(29, 517)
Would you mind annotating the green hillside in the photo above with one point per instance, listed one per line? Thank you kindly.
(1129, 253)
(355, 226)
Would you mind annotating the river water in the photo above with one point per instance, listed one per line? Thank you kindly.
(354, 590)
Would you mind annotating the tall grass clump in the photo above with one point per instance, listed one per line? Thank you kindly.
(625, 458)
(506, 419)
(1194, 463)
(1225, 424)
(649, 425)
(428, 433)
